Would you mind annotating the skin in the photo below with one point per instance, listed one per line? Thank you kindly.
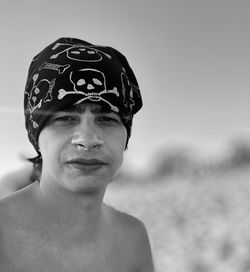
(61, 223)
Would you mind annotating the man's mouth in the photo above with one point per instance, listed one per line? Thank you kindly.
(86, 164)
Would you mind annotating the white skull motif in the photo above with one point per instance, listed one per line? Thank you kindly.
(80, 52)
(88, 80)
(91, 84)
(83, 54)
(34, 103)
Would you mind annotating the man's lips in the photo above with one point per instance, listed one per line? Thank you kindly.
(86, 164)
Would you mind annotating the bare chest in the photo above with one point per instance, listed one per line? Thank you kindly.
(29, 251)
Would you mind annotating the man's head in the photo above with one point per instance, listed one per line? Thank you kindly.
(82, 147)
(70, 72)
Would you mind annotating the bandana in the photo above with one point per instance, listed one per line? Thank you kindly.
(72, 71)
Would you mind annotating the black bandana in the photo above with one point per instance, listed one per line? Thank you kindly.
(71, 71)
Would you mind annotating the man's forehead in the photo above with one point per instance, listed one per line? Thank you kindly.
(93, 107)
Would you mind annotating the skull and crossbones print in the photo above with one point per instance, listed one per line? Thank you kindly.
(33, 102)
(80, 52)
(91, 84)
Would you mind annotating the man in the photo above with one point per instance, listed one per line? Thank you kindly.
(79, 104)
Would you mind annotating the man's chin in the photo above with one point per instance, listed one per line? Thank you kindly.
(85, 184)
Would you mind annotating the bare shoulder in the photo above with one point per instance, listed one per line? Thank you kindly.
(15, 205)
(130, 225)
(13, 217)
(133, 236)
(6, 223)
(15, 209)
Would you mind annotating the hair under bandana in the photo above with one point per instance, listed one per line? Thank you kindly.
(72, 71)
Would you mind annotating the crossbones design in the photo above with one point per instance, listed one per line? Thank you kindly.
(91, 84)
(56, 67)
(80, 52)
(33, 104)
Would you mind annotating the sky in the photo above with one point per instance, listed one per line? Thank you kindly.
(191, 59)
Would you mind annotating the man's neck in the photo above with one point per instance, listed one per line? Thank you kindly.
(79, 216)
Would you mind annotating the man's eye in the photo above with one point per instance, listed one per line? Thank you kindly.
(108, 119)
(65, 119)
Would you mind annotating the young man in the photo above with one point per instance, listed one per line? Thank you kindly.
(79, 103)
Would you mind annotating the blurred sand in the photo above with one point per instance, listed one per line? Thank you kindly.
(194, 224)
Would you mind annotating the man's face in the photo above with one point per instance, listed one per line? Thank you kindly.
(82, 148)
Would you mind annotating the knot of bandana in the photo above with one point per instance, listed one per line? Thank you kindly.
(72, 71)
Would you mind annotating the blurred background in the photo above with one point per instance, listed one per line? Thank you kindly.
(186, 171)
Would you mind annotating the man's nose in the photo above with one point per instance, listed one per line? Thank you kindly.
(87, 136)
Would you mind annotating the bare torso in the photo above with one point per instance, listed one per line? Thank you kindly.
(27, 251)
(28, 245)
